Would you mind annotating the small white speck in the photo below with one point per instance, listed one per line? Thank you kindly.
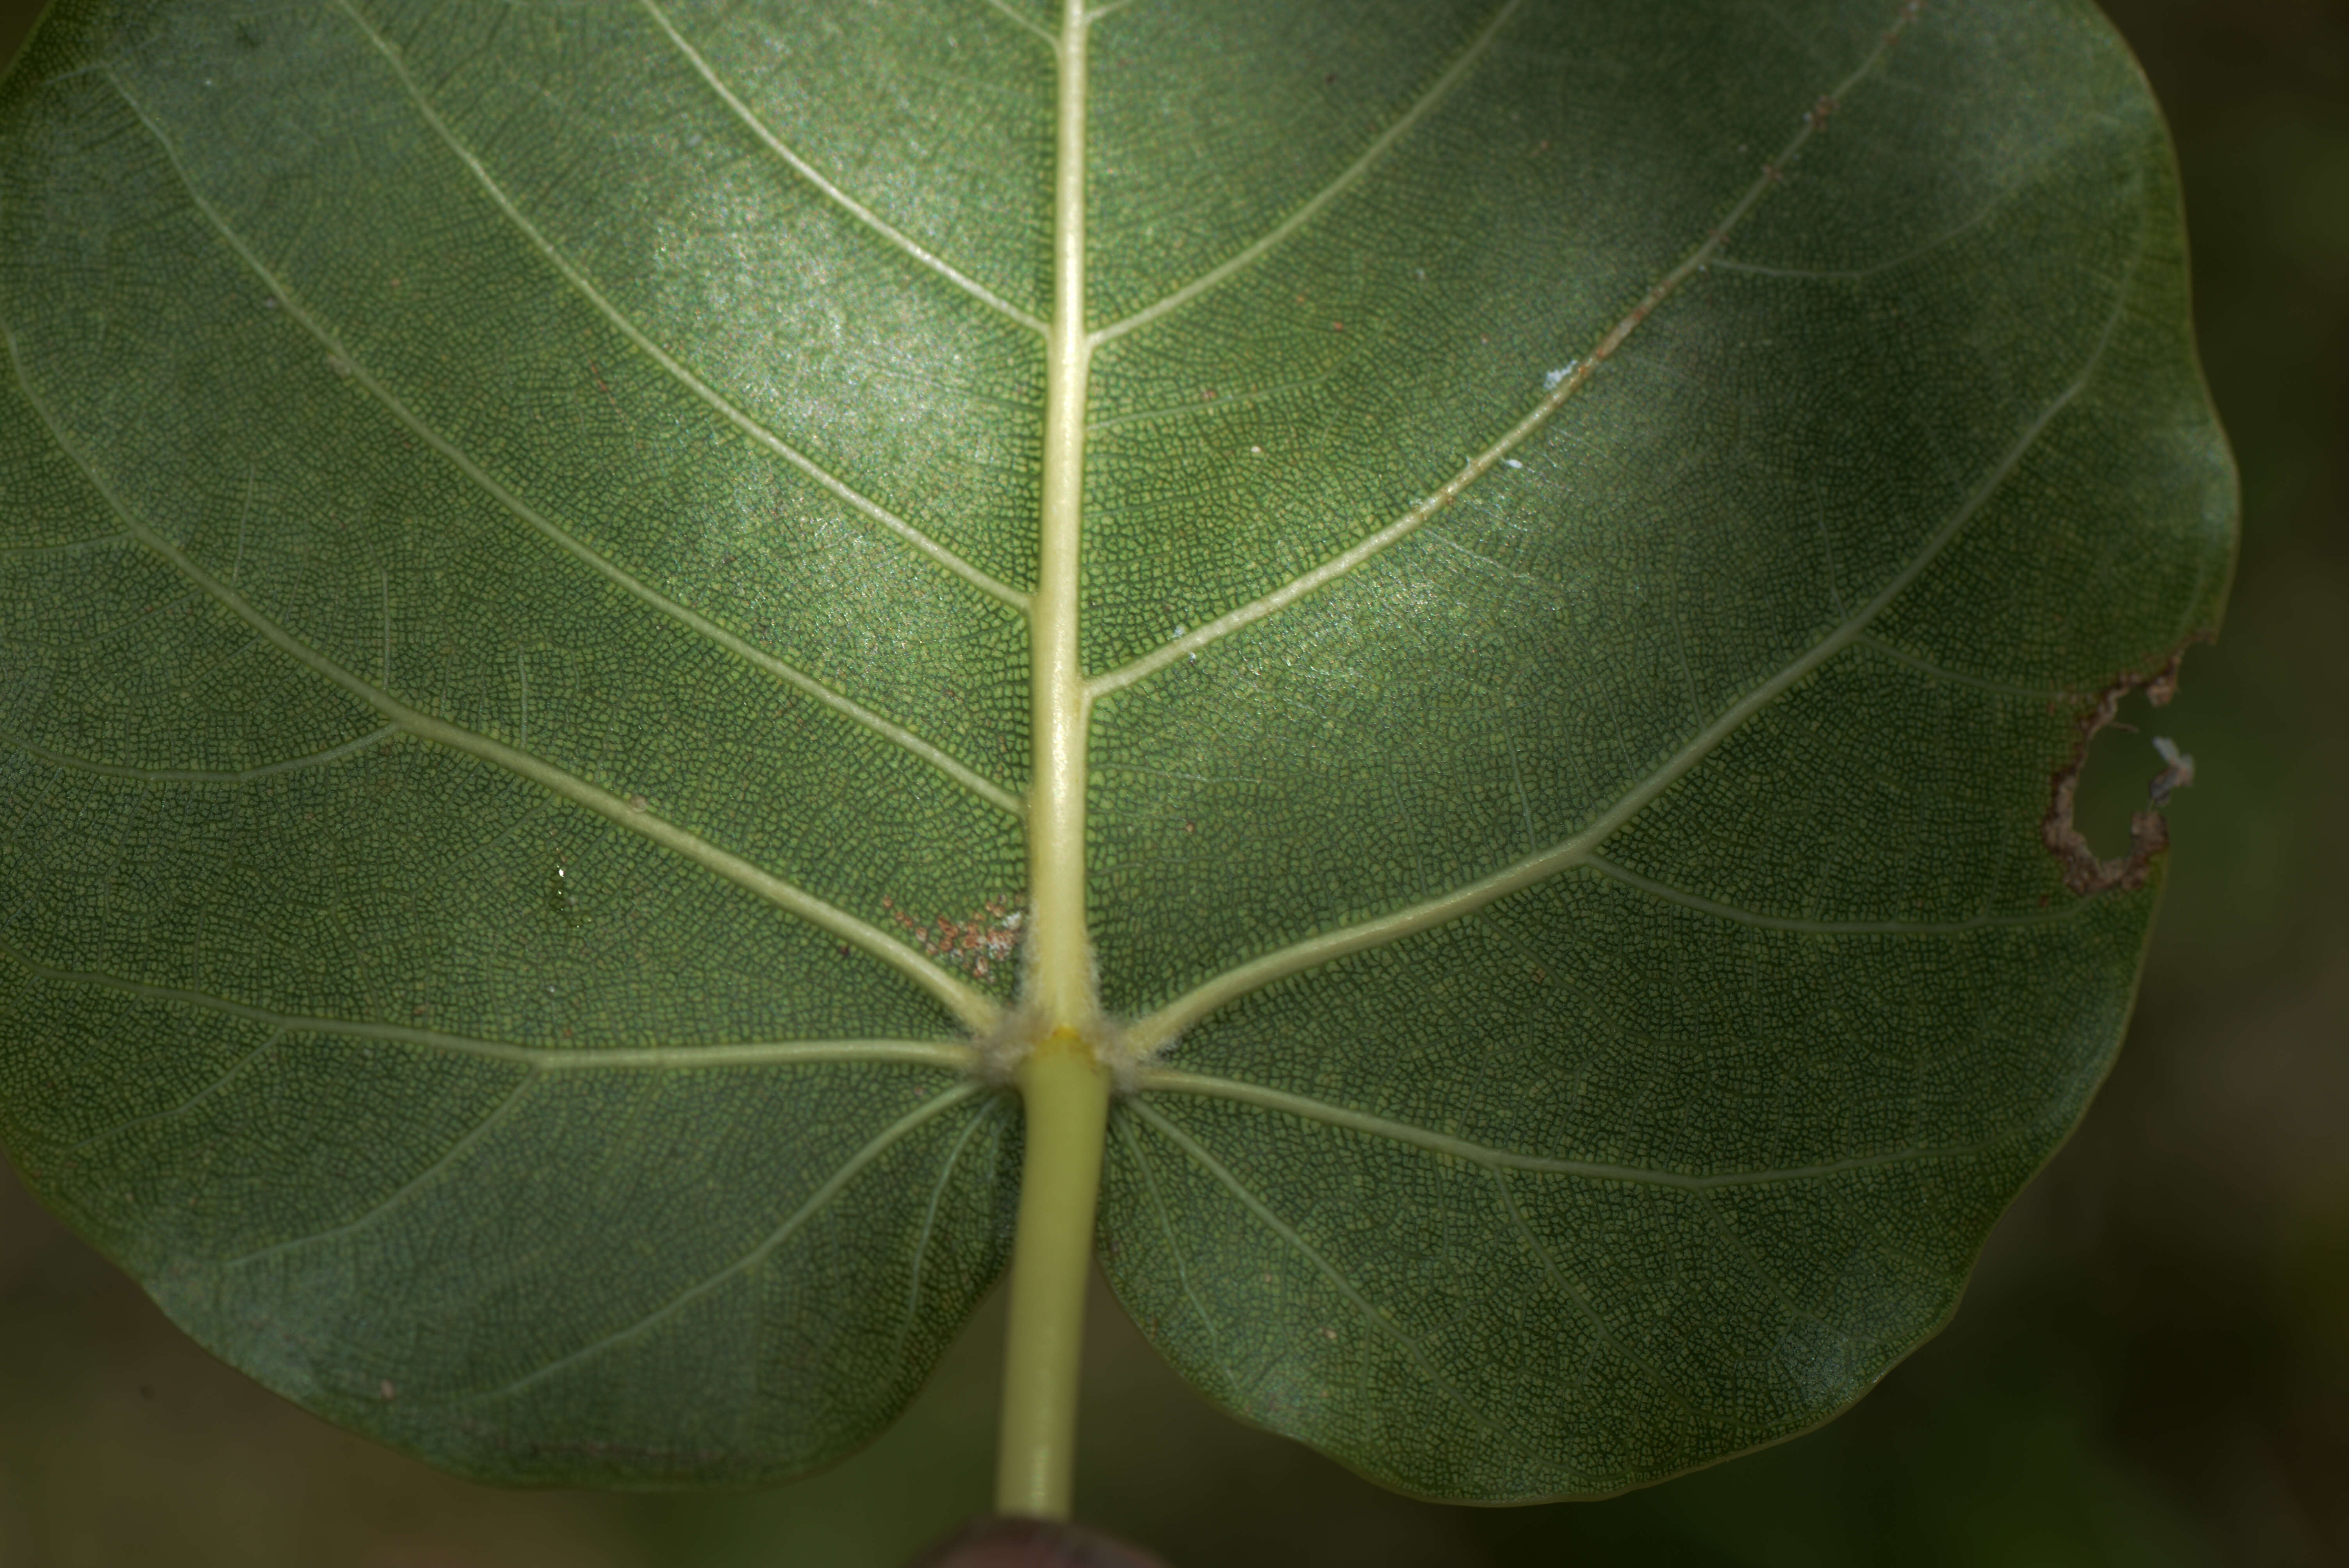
(1180, 629)
(1256, 451)
(1560, 374)
(1511, 463)
(2177, 775)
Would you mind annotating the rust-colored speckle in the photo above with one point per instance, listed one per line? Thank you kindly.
(977, 944)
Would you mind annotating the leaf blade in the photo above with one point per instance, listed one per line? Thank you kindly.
(1676, 789)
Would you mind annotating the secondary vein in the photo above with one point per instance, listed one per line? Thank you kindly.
(974, 1007)
(332, 754)
(1490, 1157)
(545, 527)
(1372, 1316)
(1461, 68)
(1578, 374)
(446, 1161)
(1028, 24)
(949, 1056)
(1703, 906)
(856, 208)
(1161, 1027)
(815, 1205)
(661, 357)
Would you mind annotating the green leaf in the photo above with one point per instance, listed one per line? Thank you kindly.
(520, 534)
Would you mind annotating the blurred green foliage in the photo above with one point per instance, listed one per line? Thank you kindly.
(2153, 1365)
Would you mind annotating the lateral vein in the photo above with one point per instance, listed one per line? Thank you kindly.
(1161, 1027)
(212, 1087)
(1703, 906)
(202, 775)
(1461, 68)
(1027, 23)
(70, 547)
(447, 1159)
(1326, 1270)
(1889, 264)
(684, 616)
(816, 1201)
(856, 208)
(1578, 375)
(1491, 1158)
(930, 1219)
(661, 357)
(974, 1007)
(1566, 1286)
(1926, 666)
(1123, 1128)
(949, 1056)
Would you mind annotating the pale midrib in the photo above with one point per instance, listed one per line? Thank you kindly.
(1162, 1025)
(1461, 68)
(975, 1009)
(201, 775)
(1376, 1319)
(1578, 373)
(545, 527)
(872, 1150)
(661, 357)
(847, 203)
(1057, 979)
(1164, 1080)
(951, 1056)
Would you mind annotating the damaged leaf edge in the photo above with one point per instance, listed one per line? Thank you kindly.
(2084, 872)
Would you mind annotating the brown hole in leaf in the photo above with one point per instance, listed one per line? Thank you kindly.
(2084, 872)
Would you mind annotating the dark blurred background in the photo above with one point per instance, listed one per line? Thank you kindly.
(2152, 1366)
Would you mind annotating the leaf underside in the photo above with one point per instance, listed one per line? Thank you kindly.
(514, 528)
